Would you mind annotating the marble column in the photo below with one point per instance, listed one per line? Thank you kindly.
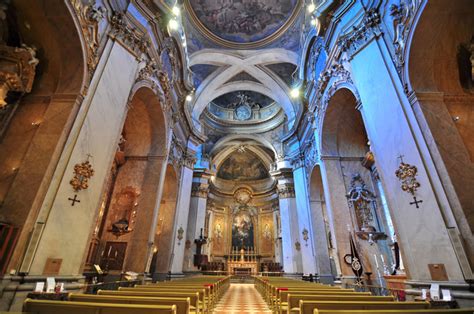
(277, 237)
(197, 216)
(292, 262)
(337, 206)
(182, 214)
(305, 228)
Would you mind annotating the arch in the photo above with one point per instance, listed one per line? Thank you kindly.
(250, 137)
(343, 132)
(232, 64)
(145, 117)
(432, 60)
(439, 71)
(52, 105)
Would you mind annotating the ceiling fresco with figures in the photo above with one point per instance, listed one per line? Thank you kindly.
(242, 21)
(233, 99)
(242, 166)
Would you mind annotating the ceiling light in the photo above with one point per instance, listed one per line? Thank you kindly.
(295, 92)
(184, 44)
(189, 97)
(176, 11)
(173, 24)
(311, 7)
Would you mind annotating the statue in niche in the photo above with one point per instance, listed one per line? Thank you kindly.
(363, 202)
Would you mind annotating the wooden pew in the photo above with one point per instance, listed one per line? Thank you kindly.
(182, 304)
(281, 300)
(193, 296)
(71, 307)
(205, 293)
(204, 298)
(309, 306)
(430, 311)
(294, 299)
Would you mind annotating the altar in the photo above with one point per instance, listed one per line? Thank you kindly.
(243, 262)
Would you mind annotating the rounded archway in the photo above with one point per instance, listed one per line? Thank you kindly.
(439, 71)
(33, 125)
(132, 190)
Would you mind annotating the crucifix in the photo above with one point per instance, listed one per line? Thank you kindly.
(416, 202)
(401, 157)
(74, 200)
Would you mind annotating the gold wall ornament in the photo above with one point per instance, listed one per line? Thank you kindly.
(407, 173)
(180, 234)
(82, 173)
(298, 245)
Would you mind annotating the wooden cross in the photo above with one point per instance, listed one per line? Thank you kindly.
(401, 157)
(415, 202)
(74, 200)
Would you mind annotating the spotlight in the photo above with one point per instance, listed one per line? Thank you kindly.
(173, 24)
(311, 7)
(456, 118)
(176, 11)
(189, 97)
(184, 44)
(295, 92)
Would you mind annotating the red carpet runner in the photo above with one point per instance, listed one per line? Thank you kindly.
(241, 298)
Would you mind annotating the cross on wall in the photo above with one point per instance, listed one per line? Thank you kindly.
(74, 200)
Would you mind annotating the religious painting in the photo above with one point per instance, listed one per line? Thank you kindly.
(266, 233)
(244, 166)
(243, 21)
(242, 230)
(218, 236)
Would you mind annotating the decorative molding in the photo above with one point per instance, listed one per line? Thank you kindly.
(361, 34)
(89, 16)
(286, 190)
(199, 190)
(17, 71)
(189, 160)
(298, 161)
(403, 16)
(136, 42)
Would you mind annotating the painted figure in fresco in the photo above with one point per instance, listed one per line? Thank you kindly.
(242, 230)
(245, 18)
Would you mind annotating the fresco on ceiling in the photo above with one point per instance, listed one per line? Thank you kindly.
(242, 230)
(243, 21)
(243, 166)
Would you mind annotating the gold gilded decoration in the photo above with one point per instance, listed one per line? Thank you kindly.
(82, 173)
(298, 245)
(180, 234)
(407, 173)
(243, 196)
(18, 70)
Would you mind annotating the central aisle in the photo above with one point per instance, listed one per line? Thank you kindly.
(241, 298)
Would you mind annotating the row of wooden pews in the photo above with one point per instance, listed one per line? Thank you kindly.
(195, 295)
(285, 296)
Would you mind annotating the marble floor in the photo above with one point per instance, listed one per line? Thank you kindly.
(241, 298)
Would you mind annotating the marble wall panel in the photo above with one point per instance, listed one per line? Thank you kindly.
(68, 228)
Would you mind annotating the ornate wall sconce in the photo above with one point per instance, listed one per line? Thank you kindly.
(305, 235)
(180, 234)
(407, 173)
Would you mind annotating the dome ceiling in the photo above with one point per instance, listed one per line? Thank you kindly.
(242, 22)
